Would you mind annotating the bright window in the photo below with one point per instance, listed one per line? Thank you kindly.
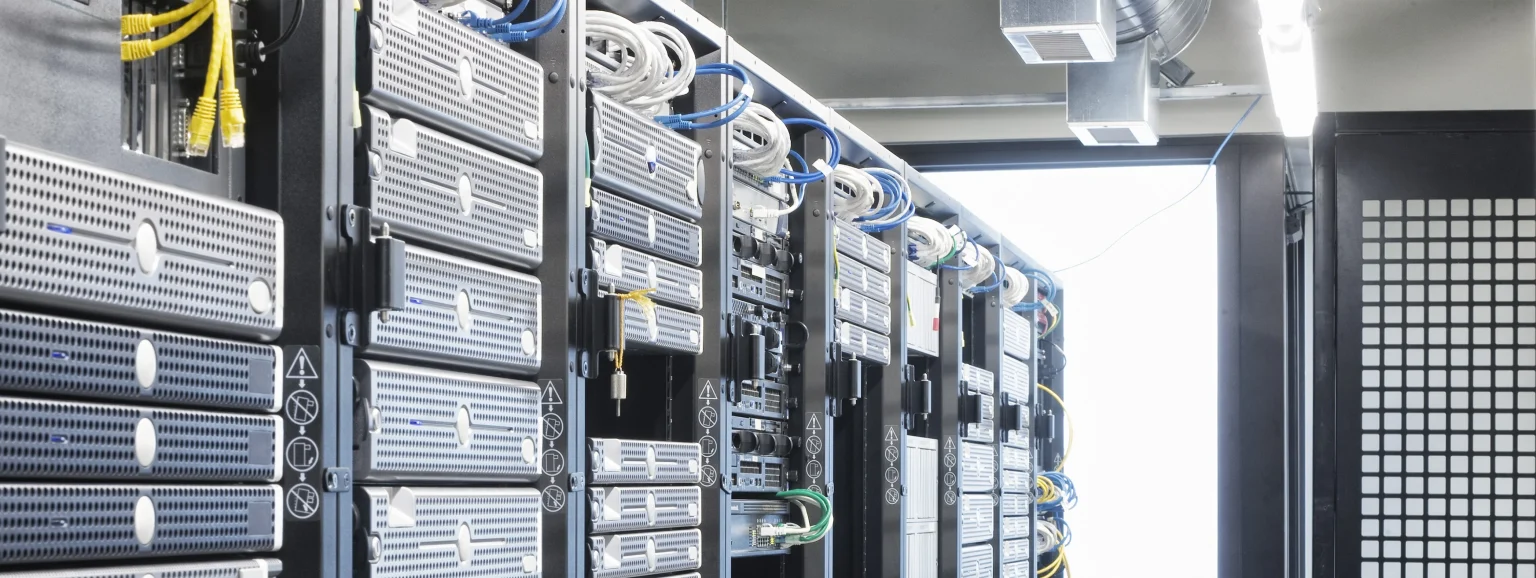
(1140, 330)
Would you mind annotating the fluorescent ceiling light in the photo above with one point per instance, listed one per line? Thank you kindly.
(1276, 12)
(1292, 75)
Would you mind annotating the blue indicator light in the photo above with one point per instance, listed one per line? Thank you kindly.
(60, 229)
(60, 355)
(415, 422)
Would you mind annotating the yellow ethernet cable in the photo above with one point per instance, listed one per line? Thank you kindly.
(136, 24)
(231, 113)
(204, 115)
(145, 48)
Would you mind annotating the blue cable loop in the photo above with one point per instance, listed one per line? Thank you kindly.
(996, 274)
(471, 20)
(525, 31)
(801, 178)
(968, 242)
(731, 110)
(1050, 293)
(901, 197)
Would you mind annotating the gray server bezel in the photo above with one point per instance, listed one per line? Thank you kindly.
(509, 522)
(629, 269)
(665, 180)
(625, 461)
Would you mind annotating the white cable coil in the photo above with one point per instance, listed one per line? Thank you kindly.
(855, 193)
(983, 267)
(1015, 287)
(762, 143)
(1046, 536)
(646, 79)
(897, 213)
(931, 241)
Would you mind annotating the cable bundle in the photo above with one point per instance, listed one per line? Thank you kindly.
(505, 30)
(762, 142)
(983, 267)
(217, 105)
(855, 192)
(874, 199)
(1043, 278)
(647, 78)
(930, 243)
(1015, 287)
(898, 207)
(795, 535)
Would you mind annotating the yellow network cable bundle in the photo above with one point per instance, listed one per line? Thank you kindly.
(216, 105)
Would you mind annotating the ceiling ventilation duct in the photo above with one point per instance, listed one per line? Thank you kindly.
(1115, 103)
(1044, 31)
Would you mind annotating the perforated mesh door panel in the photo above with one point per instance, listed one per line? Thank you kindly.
(53, 439)
(1015, 527)
(452, 532)
(617, 461)
(627, 555)
(415, 61)
(628, 223)
(976, 561)
(440, 190)
(99, 242)
(1016, 329)
(1017, 570)
(57, 356)
(54, 523)
(977, 517)
(862, 246)
(1015, 504)
(231, 569)
(623, 509)
(642, 160)
(1446, 314)
(428, 424)
(864, 344)
(630, 270)
(1015, 380)
(922, 461)
(1016, 458)
(1015, 549)
(1016, 482)
(978, 379)
(461, 312)
(670, 331)
(851, 274)
(854, 307)
(923, 551)
(978, 467)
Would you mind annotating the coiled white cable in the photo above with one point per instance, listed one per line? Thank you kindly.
(646, 78)
(983, 267)
(900, 211)
(932, 242)
(855, 193)
(763, 142)
(1015, 287)
(1047, 537)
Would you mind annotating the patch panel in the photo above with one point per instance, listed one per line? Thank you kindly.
(46, 355)
(629, 508)
(433, 188)
(634, 156)
(407, 532)
(620, 461)
(422, 424)
(412, 60)
(747, 516)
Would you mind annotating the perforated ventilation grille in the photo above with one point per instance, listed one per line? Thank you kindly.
(978, 379)
(1015, 527)
(642, 160)
(669, 331)
(978, 467)
(1017, 570)
(1015, 549)
(1016, 336)
(1113, 135)
(922, 479)
(452, 533)
(70, 238)
(851, 274)
(1016, 458)
(923, 553)
(1016, 482)
(461, 312)
(52, 523)
(862, 246)
(1448, 387)
(630, 270)
(441, 190)
(1015, 504)
(976, 561)
(623, 509)
(1059, 46)
(984, 430)
(235, 569)
(56, 356)
(864, 344)
(626, 555)
(977, 518)
(416, 61)
(426, 424)
(854, 307)
(48, 439)
(617, 461)
(625, 222)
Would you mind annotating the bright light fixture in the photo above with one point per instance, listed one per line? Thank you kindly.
(1275, 12)
(1292, 74)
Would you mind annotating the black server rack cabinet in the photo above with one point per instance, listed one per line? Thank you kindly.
(947, 421)
(883, 484)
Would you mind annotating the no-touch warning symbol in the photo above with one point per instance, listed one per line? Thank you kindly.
(301, 368)
(553, 499)
(708, 417)
(303, 501)
(892, 496)
(707, 475)
(302, 407)
(552, 426)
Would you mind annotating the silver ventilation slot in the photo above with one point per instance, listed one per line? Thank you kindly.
(1054, 31)
(1115, 103)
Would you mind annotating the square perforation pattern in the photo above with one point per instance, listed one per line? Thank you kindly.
(1448, 388)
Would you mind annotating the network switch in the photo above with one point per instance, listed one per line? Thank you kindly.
(864, 344)
(628, 223)
(1016, 332)
(415, 61)
(862, 246)
(411, 532)
(634, 156)
(978, 467)
(69, 522)
(624, 269)
(852, 274)
(258, 568)
(625, 555)
(45, 355)
(747, 517)
(441, 191)
(99, 242)
(619, 461)
(422, 424)
(661, 330)
(76, 441)
(978, 518)
(855, 307)
(629, 508)
(462, 313)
